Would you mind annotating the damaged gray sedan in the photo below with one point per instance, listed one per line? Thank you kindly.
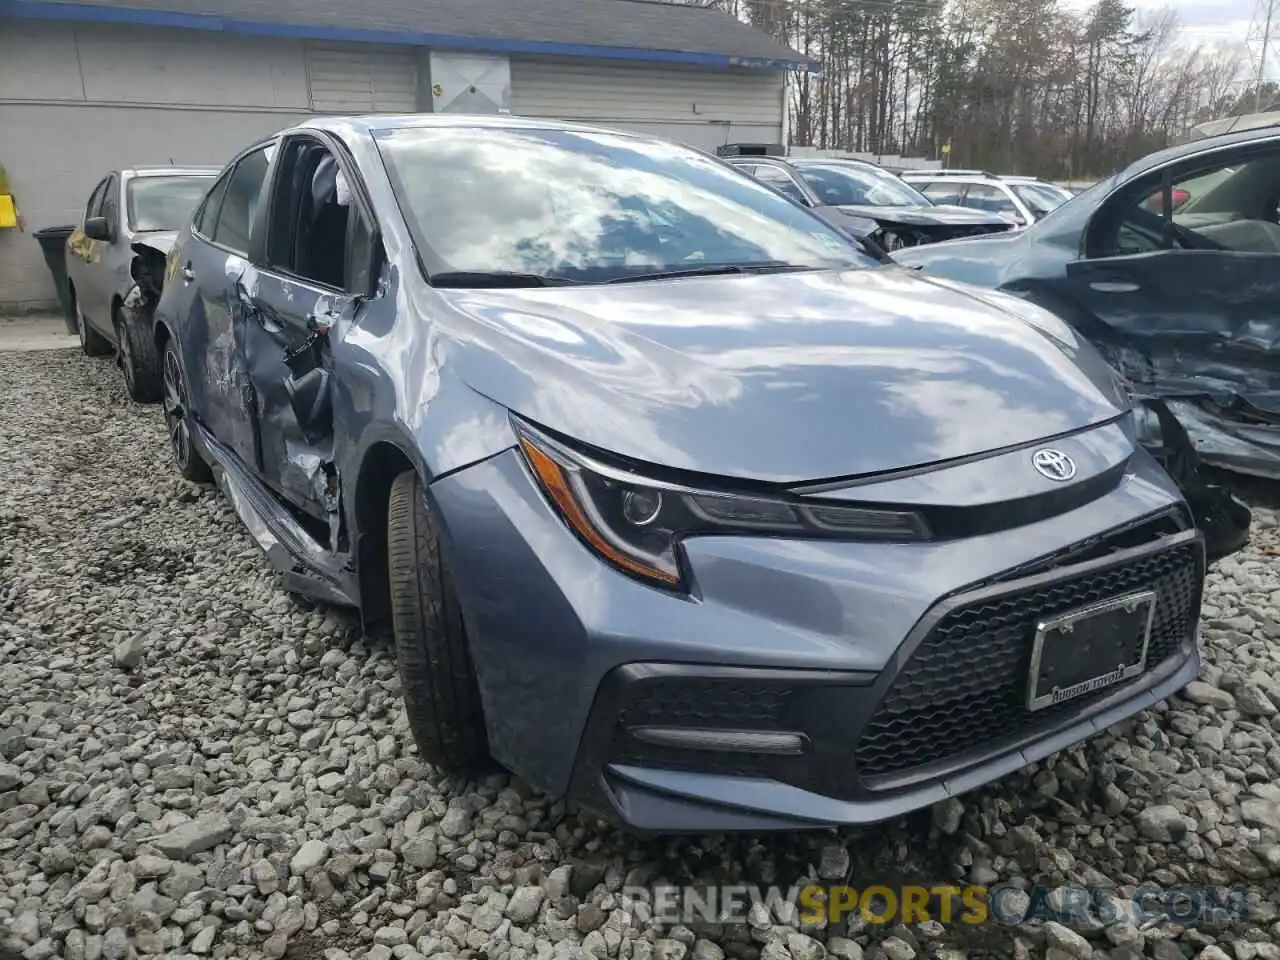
(671, 499)
(115, 264)
(1172, 269)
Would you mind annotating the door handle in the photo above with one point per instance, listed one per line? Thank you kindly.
(1114, 286)
(187, 273)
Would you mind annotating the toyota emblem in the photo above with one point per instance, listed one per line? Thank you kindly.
(1053, 464)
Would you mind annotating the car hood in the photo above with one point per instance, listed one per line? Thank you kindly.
(924, 216)
(781, 377)
(160, 241)
(984, 261)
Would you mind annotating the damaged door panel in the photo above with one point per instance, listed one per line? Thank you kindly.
(1211, 349)
(216, 267)
(290, 363)
(316, 260)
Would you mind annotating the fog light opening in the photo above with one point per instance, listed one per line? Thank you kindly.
(779, 744)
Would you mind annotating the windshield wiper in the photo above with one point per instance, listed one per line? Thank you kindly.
(712, 270)
(497, 278)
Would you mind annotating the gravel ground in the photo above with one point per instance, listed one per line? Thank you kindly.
(194, 764)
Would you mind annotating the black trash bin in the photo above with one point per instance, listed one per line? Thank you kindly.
(53, 244)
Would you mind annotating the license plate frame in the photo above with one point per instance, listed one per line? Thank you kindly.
(1132, 609)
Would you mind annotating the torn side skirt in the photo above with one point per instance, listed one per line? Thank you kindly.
(305, 566)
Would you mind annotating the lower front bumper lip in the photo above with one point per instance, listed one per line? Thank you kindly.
(678, 801)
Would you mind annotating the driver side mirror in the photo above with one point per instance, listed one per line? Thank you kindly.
(97, 228)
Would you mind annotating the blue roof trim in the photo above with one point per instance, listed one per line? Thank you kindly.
(100, 13)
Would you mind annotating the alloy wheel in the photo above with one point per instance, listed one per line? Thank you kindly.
(175, 409)
(124, 350)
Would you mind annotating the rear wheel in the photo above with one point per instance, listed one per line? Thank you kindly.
(139, 359)
(441, 696)
(190, 464)
(92, 343)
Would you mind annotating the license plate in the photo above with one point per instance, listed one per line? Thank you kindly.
(1090, 648)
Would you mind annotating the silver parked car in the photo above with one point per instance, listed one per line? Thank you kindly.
(671, 499)
(128, 226)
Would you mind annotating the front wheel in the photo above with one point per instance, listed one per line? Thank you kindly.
(139, 359)
(441, 696)
(177, 419)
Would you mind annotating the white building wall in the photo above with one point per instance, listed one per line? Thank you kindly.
(695, 105)
(76, 102)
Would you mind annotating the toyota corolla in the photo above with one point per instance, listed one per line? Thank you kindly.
(671, 499)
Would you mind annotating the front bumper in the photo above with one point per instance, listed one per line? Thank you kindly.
(808, 748)
(819, 642)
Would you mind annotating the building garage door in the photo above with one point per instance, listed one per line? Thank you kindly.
(702, 107)
(86, 99)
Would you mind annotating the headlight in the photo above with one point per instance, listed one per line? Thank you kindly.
(637, 523)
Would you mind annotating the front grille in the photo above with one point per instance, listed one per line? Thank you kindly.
(964, 686)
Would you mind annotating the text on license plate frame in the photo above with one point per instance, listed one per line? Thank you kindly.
(1053, 629)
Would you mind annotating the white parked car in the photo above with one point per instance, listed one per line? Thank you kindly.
(1024, 199)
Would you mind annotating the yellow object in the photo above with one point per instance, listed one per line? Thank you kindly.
(8, 212)
(946, 147)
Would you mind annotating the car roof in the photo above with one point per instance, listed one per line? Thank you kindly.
(1197, 147)
(370, 124)
(946, 175)
(171, 171)
(780, 161)
(820, 161)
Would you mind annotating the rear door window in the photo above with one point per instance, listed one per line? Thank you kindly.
(987, 196)
(207, 215)
(1230, 206)
(781, 180)
(240, 204)
(942, 191)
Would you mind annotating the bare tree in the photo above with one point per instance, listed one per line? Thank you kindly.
(1023, 85)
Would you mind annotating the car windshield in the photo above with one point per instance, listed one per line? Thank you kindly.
(593, 207)
(1041, 199)
(849, 185)
(163, 203)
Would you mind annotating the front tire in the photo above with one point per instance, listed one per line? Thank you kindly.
(176, 419)
(441, 695)
(139, 359)
(92, 343)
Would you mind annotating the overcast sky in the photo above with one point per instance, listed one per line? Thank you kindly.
(1211, 22)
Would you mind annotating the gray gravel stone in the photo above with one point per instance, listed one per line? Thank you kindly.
(129, 652)
(310, 855)
(194, 836)
(1162, 822)
(896, 948)
(1206, 694)
(1067, 940)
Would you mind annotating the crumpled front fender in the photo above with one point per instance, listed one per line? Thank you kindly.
(1224, 519)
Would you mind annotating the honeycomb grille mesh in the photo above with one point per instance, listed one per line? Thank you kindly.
(708, 702)
(964, 687)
